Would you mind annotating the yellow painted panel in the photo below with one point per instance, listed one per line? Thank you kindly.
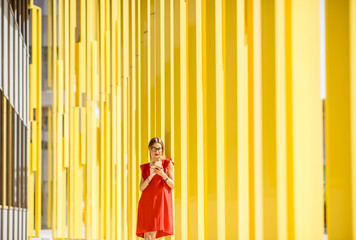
(60, 88)
(107, 158)
(70, 171)
(257, 101)
(337, 120)
(180, 124)
(242, 126)
(83, 135)
(77, 178)
(283, 101)
(268, 108)
(153, 15)
(353, 107)
(169, 78)
(66, 140)
(33, 146)
(55, 173)
(213, 79)
(307, 129)
(220, 122)
(160, 90)
(132, 167)
(145, 79)
(192, 123)
(119, 167)
(38, 180)
(230, 70)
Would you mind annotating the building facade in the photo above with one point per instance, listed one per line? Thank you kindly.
(14, 110)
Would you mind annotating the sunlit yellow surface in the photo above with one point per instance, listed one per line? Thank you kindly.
(233, 89)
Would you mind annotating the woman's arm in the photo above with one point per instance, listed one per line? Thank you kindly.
(144, 183)
(170, 178)
(170, 181)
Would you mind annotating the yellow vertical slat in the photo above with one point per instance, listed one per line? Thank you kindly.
(114, 123)
(114, 80)
(214, 114)
(200, 134)
(192, 122)
(61, 172)
(338, 125)
(353, 107)
(132, 204)
(35, 163)
(160, 90)
(107, 150)
(195, 128)
(32, 137)
(220, 121)
(145, 78)
(153, 15)
(118, 100)
(102, 136)
(78, 176)
(38, 192)
(119, 167)
(282, 27)
(67, 116)
(108, 155)
(94, 151)
(249, 28)
(138, 115)
(73, 213)
(307, 121)
(107, 172)
(169, 78)
(180, 113)
(230, 70)
(257, 92)
(125, 111)
(66, 140)
(242, 126)
(54, 116)
(268, 131)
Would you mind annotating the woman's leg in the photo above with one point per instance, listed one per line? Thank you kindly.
(150, 235)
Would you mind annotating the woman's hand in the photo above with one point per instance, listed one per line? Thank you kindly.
(152, 172)
(161, 173)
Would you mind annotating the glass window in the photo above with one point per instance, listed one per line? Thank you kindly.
(5, 48)
(11, 59)
(16, 69)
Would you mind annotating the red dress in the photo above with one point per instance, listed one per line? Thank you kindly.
(155, 211)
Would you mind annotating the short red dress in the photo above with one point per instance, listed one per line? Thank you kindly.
(155, 211)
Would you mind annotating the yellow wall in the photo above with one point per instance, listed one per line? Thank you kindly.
(233, 89)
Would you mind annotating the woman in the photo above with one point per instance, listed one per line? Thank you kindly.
(155, 211)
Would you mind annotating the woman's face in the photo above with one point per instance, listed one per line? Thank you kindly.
(155, 151)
